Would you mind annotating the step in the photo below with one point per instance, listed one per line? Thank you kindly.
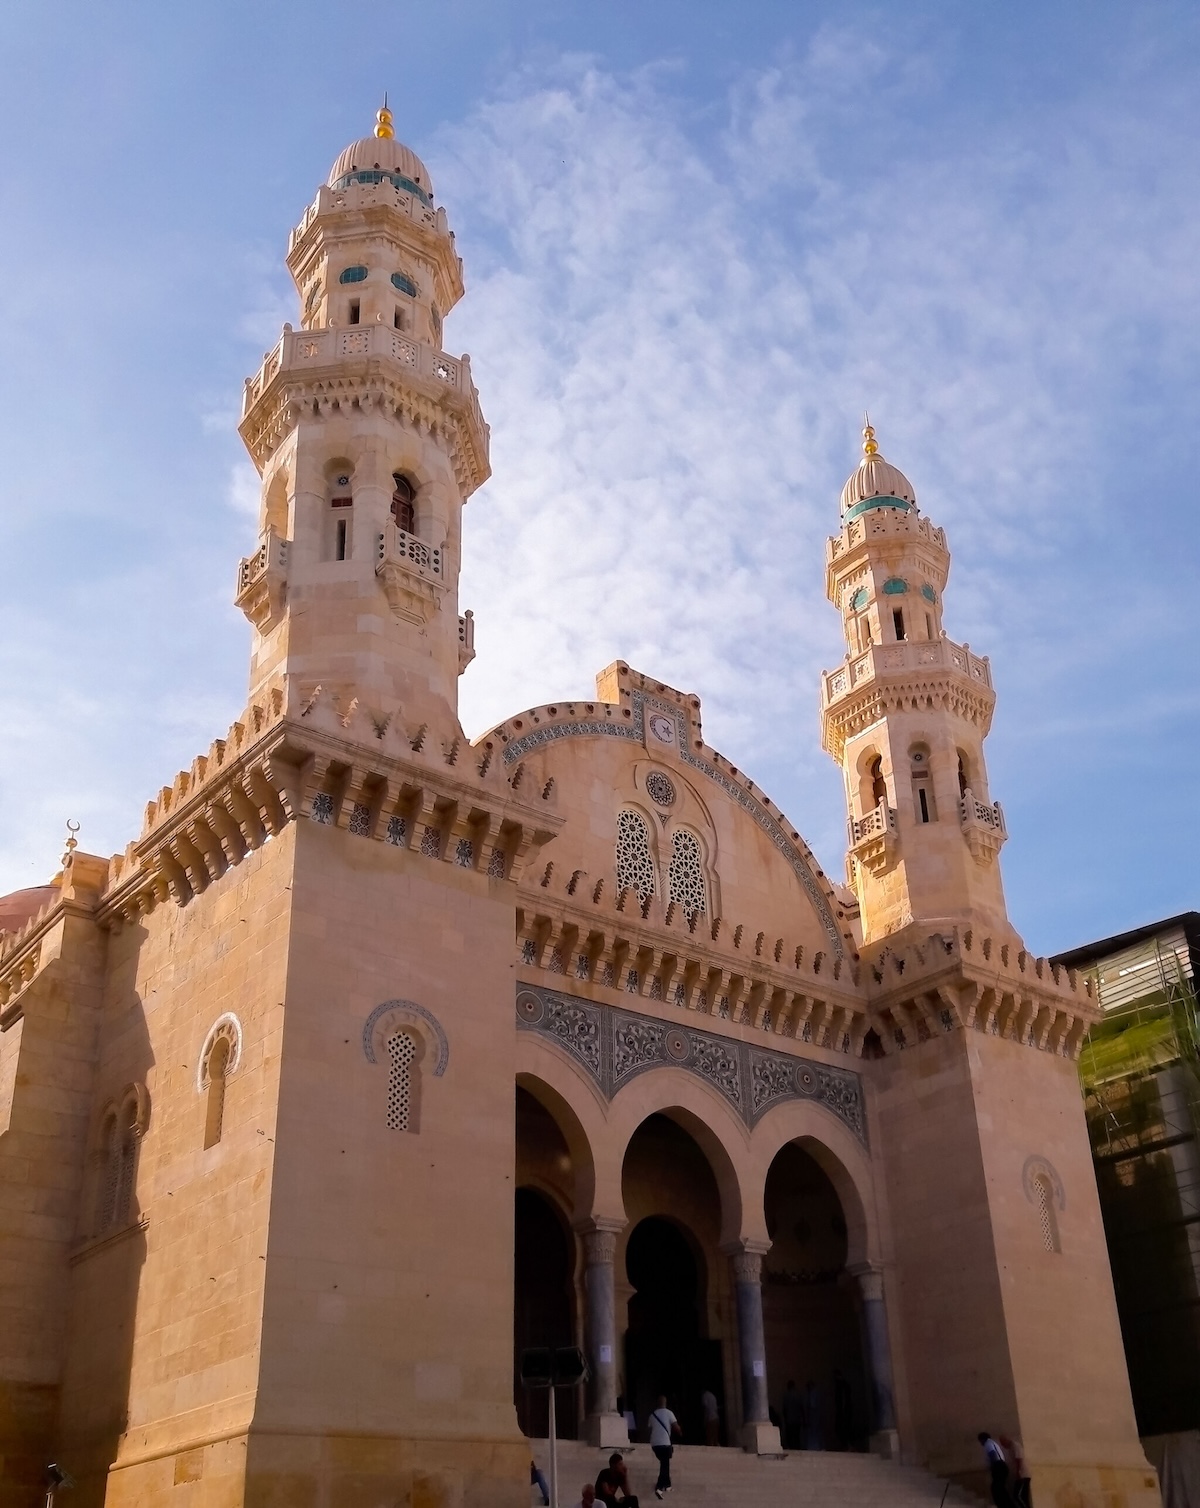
(725, 1477)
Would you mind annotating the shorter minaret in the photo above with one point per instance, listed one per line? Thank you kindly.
(906, 716)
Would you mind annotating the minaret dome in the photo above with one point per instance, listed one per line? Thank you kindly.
(381, 156)
(876, 483)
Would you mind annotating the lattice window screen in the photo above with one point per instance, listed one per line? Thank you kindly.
(686, 874)
(635, 862)
(402, 1051)
(1046, 1216)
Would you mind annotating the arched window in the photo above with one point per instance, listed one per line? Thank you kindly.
(404, 496)
(685, 877)
(963, 779)
(401, 1089)
(879, 788)
(109, 1174)
(1043, 1193)
(127, 1149)
(214, 1110)
(635, 860)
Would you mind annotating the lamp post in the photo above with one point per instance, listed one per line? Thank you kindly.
(546, 1367)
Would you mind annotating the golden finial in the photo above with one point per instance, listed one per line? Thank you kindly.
(869, 446)
(383, 122)
(72, 843)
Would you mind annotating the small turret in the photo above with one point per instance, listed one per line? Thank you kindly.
(906, 715)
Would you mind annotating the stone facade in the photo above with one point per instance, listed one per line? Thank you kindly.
(267, 1207)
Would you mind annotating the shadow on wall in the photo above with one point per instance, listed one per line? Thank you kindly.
(106, 1274)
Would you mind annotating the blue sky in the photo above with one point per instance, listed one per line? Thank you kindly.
(699, 240)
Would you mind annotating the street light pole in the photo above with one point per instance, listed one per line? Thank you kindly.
(553, 1451)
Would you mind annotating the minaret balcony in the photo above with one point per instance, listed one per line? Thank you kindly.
(412, 575)
(873, 839)
(304, 362)
(466, 639)
(917, 656)
(262, 582)
(983, 827)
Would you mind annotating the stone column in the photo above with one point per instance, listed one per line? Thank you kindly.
(885, 1440)
(759, 1435)
(605, 1427)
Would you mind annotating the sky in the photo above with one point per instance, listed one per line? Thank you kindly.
(700, 239)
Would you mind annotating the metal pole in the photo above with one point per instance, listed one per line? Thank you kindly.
(553, 1453)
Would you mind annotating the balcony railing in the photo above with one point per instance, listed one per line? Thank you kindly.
(398, 546)
(918, 655)
(876, 823)
(301, 349)
(973, 810)
(262, 580)
(883, 522)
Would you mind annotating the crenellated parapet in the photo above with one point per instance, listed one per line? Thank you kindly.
(960, 981)
(320, 755)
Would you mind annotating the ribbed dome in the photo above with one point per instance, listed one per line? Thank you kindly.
(381, 154)
(876, 479)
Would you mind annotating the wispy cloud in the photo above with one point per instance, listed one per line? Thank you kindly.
(676, 317)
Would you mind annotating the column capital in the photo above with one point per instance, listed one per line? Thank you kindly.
(870, 1279)
(747, 1266)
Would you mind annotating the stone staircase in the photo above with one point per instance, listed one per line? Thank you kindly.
(705, 1477)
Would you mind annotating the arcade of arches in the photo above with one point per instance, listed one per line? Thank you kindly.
(669, 1295)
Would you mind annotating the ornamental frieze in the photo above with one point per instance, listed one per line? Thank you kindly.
(613, 1046)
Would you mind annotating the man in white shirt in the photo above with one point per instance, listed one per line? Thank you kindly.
(998, 1467)
(664, 1428)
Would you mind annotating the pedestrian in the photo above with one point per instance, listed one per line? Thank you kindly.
(587, 1496)
(537, 1479)
(843, 1412)
(1018, 1478)
(793, 1417)
(664, 1428)
(998, 1469)
(712, 1417)
(612, 1485)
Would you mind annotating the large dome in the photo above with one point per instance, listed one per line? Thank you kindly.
(381, 154)
(876, 483)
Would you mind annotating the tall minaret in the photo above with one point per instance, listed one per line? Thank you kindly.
(906, 716)
(369, 440)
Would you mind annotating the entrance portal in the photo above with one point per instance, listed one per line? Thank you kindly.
(809, 1315)
(672, 1199)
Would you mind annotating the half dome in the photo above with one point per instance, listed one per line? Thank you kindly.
(876, 483)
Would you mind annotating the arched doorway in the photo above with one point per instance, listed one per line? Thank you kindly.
(809, 1310)
(675, 1288)
(544, 1278)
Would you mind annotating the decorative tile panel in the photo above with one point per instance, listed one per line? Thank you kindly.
(613, 1046)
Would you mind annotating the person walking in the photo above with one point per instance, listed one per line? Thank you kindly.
(998, 1469)
(712, 1417)
(664, 1429)
(814, 1416)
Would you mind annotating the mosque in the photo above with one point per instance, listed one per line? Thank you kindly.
(381, 1054)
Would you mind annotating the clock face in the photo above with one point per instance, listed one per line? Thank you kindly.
(662, 728)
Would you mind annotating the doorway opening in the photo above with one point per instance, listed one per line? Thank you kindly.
(810, 1316)
(671, 1256)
